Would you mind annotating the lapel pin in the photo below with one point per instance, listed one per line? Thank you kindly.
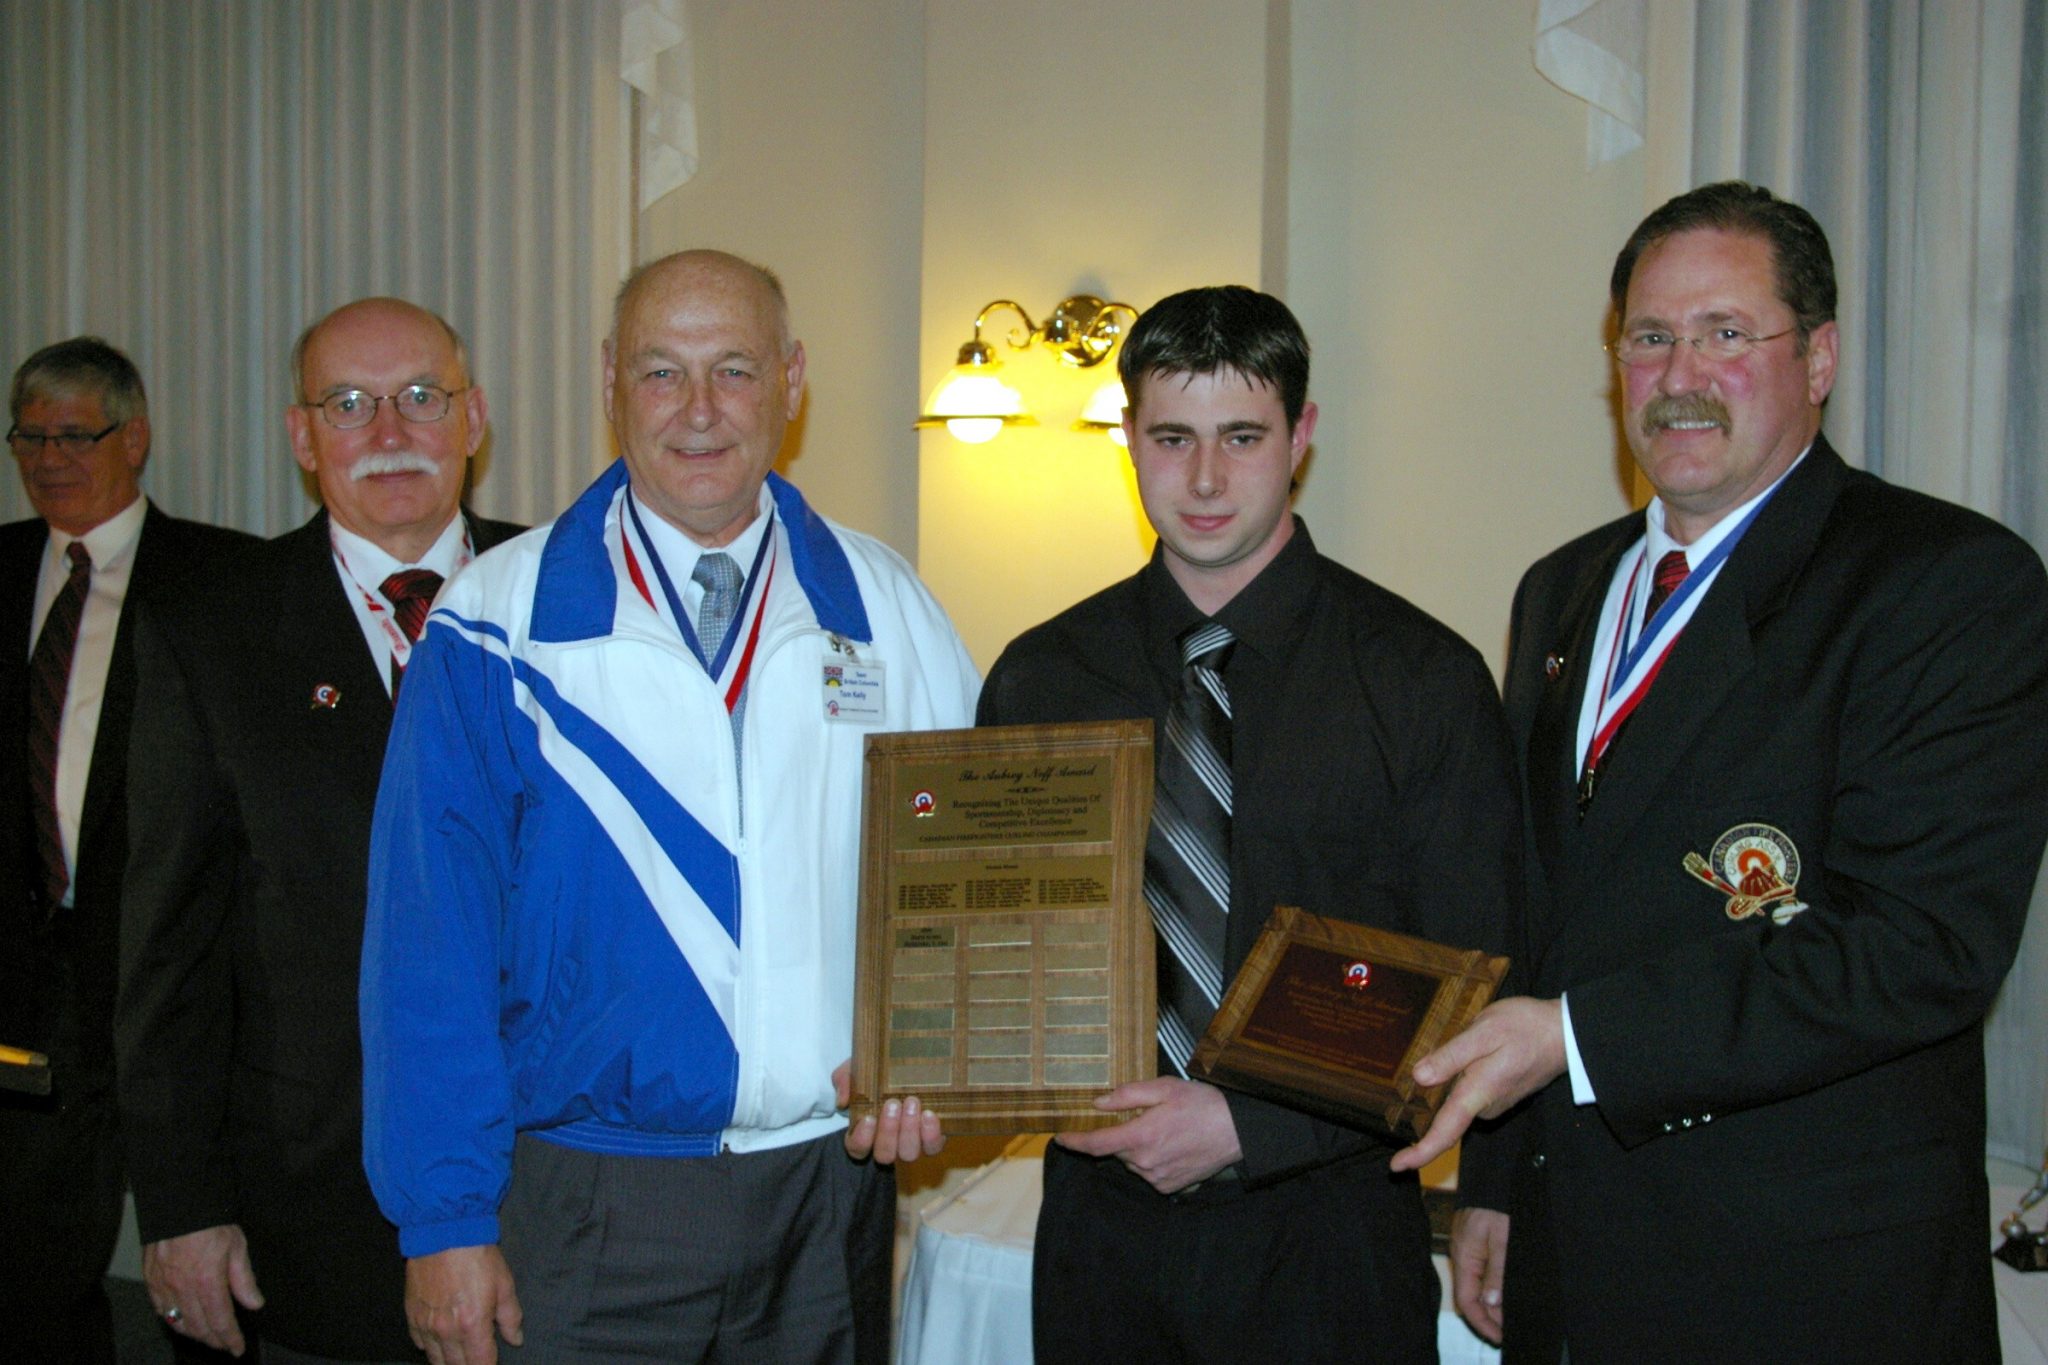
(326, 696)
(1553, 667)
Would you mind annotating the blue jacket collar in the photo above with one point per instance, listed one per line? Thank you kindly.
(576, 595)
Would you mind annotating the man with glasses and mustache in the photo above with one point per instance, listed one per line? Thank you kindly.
(260, 728)
(1782, 737)
(79, 435)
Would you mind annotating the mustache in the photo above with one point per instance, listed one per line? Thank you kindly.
(1685, 407)
(390, 462)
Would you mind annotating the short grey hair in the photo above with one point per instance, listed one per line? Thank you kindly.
(81, 367)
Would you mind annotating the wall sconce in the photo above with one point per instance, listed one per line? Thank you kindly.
(1105, 411)
(975, 405)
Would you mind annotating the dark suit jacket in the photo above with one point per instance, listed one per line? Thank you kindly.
(1786, 1158)
(240, 1065)
(60, 1154)
(57, 980)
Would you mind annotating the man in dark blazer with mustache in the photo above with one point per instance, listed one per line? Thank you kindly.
(259, 737)
(79, 436)
(1784, 744)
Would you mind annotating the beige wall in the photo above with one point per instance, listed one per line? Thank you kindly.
(1449, 258)
(1400, 173)
(1070, 145)
(810, 133)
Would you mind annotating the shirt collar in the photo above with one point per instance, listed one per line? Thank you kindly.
(109, 543)
(371, 563)
(1265, 614)
(680, 553)
(1659, 541)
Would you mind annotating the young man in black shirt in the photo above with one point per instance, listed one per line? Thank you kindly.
(1347, 755)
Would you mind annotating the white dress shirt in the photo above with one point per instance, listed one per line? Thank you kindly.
(679, 554)
(364, 565)
(112, 547)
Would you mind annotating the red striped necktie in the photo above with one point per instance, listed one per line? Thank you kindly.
(49, 677)
(1671, 571)
(411, 595)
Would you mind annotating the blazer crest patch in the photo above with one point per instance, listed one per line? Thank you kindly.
(1756, 866)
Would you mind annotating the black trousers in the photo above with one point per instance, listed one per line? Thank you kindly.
(1332, 1264)
(60, 1211)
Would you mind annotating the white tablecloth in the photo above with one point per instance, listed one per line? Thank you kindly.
(967, 1297)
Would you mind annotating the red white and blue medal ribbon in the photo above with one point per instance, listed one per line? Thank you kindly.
(1632, 665)
(736, 654)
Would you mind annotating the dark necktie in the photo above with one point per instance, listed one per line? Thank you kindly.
(49, 677)
(1671, 571)
(1187, 854)
(411, 595)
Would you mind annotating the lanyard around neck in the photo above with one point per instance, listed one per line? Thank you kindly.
(715, 667)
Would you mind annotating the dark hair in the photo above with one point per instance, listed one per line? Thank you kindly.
(1220, 327)
(1799, 249)
(81, 367)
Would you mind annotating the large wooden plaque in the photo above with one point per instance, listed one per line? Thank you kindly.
(1331, 1017)
(1004, 969)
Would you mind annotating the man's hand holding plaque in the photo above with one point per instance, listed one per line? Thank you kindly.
(1513, 1049)
(1181, 1132)
(898, 1130)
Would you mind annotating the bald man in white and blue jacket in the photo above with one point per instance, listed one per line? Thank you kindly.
(608, 971)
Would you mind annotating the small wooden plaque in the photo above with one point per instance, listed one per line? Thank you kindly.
(1004, 963)
(1331, 1017)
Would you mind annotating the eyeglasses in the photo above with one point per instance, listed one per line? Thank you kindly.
(352, 408)
(1654, 346)
(73, 443)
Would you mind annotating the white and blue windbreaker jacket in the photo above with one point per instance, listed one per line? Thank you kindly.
(568, 935)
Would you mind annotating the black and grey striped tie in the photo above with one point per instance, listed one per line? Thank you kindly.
(1187, 854)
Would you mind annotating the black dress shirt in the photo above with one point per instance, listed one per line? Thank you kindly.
(1370, 764)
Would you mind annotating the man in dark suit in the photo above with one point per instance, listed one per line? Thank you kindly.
(259, 736)
(1783, 739)
(80, 436)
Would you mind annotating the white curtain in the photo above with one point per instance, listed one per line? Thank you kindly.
(197, 180)
(1917, 133)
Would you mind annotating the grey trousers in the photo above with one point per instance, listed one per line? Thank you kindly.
(770, 1256)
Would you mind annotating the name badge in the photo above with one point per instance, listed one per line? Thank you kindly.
(853, 692)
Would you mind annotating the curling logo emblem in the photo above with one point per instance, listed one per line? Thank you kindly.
(1756, 867)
